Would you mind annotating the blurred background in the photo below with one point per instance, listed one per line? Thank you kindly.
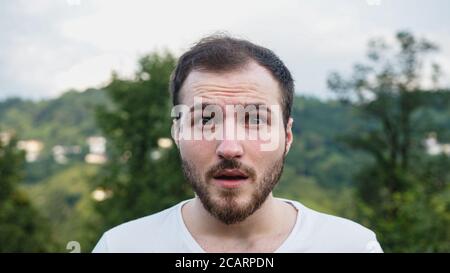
(85, 113)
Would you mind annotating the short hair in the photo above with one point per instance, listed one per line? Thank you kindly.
(222, 53)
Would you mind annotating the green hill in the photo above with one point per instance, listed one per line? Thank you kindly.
(316, 153)
(66, 120)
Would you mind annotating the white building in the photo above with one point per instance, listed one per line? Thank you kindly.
(97, 145)
(61, 152)
(165, 142)
(100, 194)
(97, 150)
(433, 147)
(5, 137)
(32, 149)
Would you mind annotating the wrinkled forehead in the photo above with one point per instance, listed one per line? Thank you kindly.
(252, 84)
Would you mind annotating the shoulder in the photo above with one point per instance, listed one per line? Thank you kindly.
(140, 235)
(328, 233)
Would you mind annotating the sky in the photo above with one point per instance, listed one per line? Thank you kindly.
(50, 46)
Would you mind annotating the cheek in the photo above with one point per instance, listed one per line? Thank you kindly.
(262, 159)
(196, 151)
(270, 145)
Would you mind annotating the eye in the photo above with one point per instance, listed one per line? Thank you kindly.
(254, 120)
(205, 120)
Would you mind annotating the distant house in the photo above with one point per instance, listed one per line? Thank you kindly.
(165, 142)
(433, 147)
(61, 152)
(100, 194)
(5, 137)
(97, 150)
(32, 149)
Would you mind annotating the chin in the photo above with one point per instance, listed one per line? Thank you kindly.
(237, 201)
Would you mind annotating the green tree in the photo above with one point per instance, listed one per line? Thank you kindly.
(395, 191)
(142, 175)
(22, 228)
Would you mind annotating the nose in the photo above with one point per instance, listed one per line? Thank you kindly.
(230, 149)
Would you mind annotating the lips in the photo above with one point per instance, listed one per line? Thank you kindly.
(230, 178)
(233, 174)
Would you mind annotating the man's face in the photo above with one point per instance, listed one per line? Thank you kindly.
(233, 176)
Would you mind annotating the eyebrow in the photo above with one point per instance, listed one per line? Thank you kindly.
(205, 104)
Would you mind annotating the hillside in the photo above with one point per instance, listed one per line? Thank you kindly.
(316, 152)
(66, 120)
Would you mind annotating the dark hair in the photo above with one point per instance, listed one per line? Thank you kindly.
(222, 53)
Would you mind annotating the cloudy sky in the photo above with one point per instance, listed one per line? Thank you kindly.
(49, 46)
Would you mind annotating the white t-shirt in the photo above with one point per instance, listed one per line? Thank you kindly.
(165, 231)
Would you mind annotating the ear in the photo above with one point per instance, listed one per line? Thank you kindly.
(289, 136)
(175, 132)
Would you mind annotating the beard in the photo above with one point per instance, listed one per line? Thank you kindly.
(224, 206)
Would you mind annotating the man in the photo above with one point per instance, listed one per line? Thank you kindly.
(233, 128)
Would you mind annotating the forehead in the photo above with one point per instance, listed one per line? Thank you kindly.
(250, 84)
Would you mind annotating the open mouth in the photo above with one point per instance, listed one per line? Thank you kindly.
(230, 178)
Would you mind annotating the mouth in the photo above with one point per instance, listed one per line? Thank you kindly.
(230, 178)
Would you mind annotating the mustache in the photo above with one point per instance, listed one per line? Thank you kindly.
(230, 164)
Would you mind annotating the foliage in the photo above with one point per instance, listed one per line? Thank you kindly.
(142, 177)
(22, 228)
(65, 199)
(395, 196)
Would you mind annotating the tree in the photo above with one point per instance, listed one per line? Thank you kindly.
(22, 228)
(388, 94)
(143, 173)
